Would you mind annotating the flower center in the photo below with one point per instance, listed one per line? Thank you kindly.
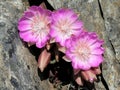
(39, 26)
(65, 29)
(83, 51)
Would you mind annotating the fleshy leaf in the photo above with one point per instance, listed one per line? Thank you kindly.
(44, 60)
(43, 5)
(79, 81)
(76, 71)
(89, 75)
(66, 59)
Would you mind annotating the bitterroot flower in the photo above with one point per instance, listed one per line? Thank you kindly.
(65, 23)
(34, 26)
(85, 51)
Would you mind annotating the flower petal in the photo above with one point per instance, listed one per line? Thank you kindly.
(53, 32)
(84, 65)
(28, 14)
(27, 36)
(40, 44)
(98, 51)
(33, 8)
(95, 60)
(24, 25)
(97, 44)
(77, 25)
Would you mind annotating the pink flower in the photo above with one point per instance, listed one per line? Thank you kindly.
(34, 26)
(65, 23)
(85, 51)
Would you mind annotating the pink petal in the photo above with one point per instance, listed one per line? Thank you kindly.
(33, 8)
(56, 16)
(61, 40)
(62, 13)
(24, 25)
(84, 65)
(27, 36)
(70, 55)
(77, 63)
(77, 25)
(68, 43)
(22, 19)
(97, 44)
(73, 16)
(41, 43)
(91, 41)
(97, 51)
(28, 15)
(95, 60)
(92, 34)
(53, 33)
(68, 12)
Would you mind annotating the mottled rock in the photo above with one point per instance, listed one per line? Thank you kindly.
(18, 67)
(111, 14)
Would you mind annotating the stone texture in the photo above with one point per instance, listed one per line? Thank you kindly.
(103, 17)
(111, 67)
(18, 68)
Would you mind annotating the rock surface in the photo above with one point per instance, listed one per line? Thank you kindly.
(111, 67)
(18, 67)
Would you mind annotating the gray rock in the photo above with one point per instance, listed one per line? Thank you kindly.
(111, 14)
(18, 67)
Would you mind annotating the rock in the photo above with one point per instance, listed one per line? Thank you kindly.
(18, 67)
(111, 14)
(103, 17)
